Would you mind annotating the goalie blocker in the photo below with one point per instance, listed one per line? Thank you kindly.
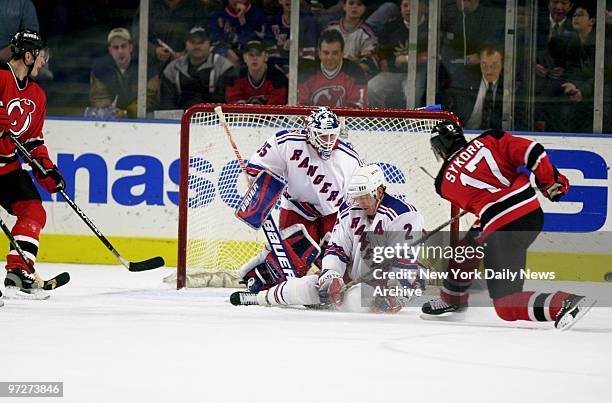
(260, 199)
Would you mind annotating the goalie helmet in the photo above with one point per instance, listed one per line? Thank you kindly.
(323, 129)
(26, 40)
(446, 138)
(365, 181)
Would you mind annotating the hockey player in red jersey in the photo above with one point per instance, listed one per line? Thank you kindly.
(22, 113)
(483, 177)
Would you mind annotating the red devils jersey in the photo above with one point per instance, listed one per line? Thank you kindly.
(271, 91)
(26, 103)
(347, 87)
(483, 178)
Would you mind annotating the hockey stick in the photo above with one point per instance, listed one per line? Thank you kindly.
(367, 276)
(50, 284)
(270, 228)
(148, 264)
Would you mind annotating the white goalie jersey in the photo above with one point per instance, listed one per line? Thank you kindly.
(315, 187)
(396, 222)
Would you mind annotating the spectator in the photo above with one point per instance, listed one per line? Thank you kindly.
(480, 105)
(258, 84)
(360, 43)
(473, 27)
(15, 15)
(231, 28)
(114, 79)
(554, 28)
(580, 78)
(323, 11)
(278, 32)
(198, 76)
(554, 23)
(389, 87)
(381, 12)
(169, 23)
(331, 80)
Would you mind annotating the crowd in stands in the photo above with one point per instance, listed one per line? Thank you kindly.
(352, 53)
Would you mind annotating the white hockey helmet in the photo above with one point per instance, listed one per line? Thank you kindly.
(365, 180)
(323, 128)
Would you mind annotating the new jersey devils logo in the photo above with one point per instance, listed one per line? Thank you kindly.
(20, 111)
(330, 96)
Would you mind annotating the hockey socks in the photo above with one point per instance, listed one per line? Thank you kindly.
(529, 305)
(31, 218)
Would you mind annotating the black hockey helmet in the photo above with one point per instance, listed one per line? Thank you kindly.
(446, 138)
(26, 40)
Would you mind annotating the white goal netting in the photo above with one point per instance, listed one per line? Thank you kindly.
(213, 243)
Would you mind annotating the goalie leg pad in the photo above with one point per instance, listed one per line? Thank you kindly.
(260, 199)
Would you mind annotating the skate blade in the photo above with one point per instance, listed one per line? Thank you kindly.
(445, 317)
(585, 306)
(16, 293)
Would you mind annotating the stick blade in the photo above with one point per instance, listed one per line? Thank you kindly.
(148, 264)
(57, 281)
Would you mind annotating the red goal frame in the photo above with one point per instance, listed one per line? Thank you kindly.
(280, 110)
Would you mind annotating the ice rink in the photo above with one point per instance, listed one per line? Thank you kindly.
(115, 336)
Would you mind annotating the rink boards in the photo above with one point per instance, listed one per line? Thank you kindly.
(125, 176)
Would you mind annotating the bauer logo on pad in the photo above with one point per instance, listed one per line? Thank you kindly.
(260, 199)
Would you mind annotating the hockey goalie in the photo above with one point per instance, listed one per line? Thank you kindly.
(370, 210)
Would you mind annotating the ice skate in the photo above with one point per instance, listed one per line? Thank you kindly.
(19, 284)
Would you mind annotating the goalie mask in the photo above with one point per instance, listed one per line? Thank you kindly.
(323, 129)
(446, 138)
(365, 181)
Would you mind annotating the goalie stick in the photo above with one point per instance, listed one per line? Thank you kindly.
(273, 235)
(50, 284)
(148, 264)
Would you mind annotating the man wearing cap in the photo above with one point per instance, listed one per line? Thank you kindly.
(258, 84)
(198, 76)
(114, 78)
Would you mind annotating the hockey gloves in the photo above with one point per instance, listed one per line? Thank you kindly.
(555, 191)
(53, 180)
(5, 120)
(330, 286)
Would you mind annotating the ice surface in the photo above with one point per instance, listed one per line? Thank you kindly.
(115, 336)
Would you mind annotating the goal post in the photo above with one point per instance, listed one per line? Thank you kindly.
(213, 244)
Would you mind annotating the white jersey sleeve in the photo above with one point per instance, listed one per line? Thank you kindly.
(269, 156)
(340, 248)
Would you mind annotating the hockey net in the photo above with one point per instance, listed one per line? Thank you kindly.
(213, 244)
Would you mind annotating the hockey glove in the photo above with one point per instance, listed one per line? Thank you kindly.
(330, 286)
(386, 304)
(558, 189)
(473, 234)
(52, 181)
(5, 120)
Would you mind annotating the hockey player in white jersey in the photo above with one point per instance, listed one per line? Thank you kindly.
(316, 165)
(369, 210)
